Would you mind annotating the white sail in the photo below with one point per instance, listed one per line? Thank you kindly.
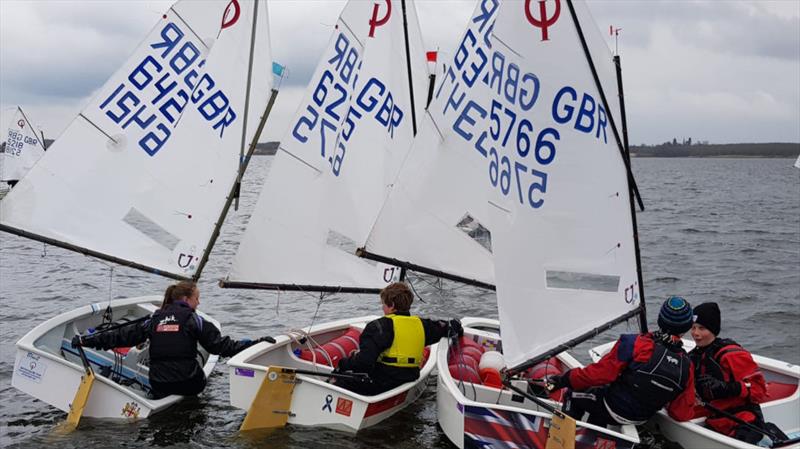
(343, 148)
(435, 215)
(797, 162)
(564, 250)
(24, 146)
(142, 174)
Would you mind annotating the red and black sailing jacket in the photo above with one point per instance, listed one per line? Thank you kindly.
(726, 360)
(644, 374)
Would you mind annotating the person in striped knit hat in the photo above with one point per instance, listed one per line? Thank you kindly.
(640, 375)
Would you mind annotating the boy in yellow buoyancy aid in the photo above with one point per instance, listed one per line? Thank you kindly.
(391, 347)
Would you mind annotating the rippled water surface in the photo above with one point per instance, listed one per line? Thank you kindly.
(726, 230)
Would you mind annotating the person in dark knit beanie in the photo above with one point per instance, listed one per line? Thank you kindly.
(726, 376)
(708, 316)
(675, 317)
(641, 374)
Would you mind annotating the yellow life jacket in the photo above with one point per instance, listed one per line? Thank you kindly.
(408, 344)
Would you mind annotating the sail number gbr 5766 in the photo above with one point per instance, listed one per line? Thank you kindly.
(519, 151)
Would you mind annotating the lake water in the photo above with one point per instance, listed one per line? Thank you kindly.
(725, 230)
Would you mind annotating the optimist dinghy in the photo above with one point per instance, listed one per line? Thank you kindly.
(782, 408)
(314, 401)
(115, 185)
(475, 410)
(48, 368)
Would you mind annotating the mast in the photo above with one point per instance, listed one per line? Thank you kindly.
(408, 69)
(246, 105)
(243, 161)
(624, 120)
(235, 187)
(640, 310)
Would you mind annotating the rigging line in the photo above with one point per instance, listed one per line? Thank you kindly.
(415, 291)
(97, 127)
(28, 122)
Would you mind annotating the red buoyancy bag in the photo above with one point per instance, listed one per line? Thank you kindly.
(463, 360)
(334, 350)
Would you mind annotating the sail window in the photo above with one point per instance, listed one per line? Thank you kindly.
(582, 281)
(476, 231)
(344, 243)
(148, 227)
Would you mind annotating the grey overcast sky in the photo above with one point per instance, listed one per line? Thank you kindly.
(720, 71)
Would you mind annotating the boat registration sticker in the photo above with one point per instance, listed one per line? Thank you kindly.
(32, 367)
(244, 372)
(344, 406)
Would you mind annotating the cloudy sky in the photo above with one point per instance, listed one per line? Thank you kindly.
(721, 71)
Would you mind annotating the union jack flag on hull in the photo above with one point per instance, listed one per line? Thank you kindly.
(486, 428)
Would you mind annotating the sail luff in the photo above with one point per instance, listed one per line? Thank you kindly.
(89, 252)
(623, 153)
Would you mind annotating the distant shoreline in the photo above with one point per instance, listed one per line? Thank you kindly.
(705, 150)
(729, 150)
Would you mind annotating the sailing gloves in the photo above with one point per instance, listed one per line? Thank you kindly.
(557, 382)
(710, 388)
(454, 329)
(85, 340)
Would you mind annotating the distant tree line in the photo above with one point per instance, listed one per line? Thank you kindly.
(685, 148)
(705, 149)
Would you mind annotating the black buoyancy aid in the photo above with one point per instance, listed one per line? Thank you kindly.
(645, 387)
(170, 338)
(709, 360)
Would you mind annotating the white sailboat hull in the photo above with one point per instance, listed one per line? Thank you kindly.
(316, 402)
(474, 415)
(783, 380)
(49, 369)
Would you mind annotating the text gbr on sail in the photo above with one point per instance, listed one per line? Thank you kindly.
(152, 99)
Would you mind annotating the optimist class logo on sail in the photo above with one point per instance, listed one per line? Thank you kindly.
(170, 77)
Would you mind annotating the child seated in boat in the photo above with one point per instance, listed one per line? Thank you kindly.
(641, 374)
(391, 347)
(726, 376)
(174, 331)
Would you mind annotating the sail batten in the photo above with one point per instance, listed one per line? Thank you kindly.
(144, 171)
